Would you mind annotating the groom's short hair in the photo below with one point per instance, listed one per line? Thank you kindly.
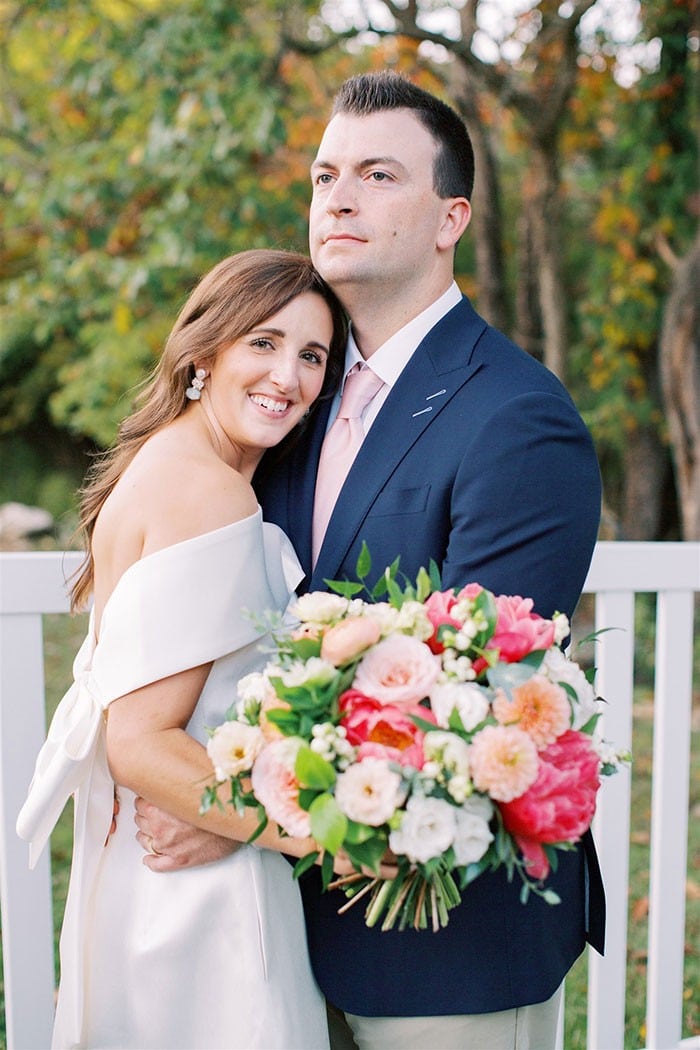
(453, 170)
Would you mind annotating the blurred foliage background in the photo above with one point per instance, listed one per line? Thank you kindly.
(143, 140)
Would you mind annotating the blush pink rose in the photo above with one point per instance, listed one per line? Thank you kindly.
(275, 785)
(382, 730)
(343, 642)
(560, 805)
(470, 591)
(399, 670)
(519, 631)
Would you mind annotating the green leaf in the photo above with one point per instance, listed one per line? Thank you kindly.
(313, 771)
(533, 659)
(327, 873)
(435, 576)
(344, 587)
(590, 725)
(423, 585)
(304, 863)
(358, 833)
(305, 648)
(328, 824)
(366, 854)
(364, 562)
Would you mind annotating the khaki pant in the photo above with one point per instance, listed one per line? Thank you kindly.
(525, 1028)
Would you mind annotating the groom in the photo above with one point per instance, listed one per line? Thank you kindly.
(473, 455)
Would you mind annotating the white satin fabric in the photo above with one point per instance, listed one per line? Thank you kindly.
(198, 959)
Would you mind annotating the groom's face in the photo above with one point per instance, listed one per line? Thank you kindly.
(375, 215)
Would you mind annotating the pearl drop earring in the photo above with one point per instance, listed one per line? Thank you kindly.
(194, 392)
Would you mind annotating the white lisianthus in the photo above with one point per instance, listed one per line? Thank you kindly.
(255, 687)
(449, 750)
(428, 828)
(369, 792)
(233, 748)
(319, 607)
(469, 700)
(558, 669)
(313, 671)
(473, 835)
(413, 619)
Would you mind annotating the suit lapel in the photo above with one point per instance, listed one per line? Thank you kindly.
(440, 366)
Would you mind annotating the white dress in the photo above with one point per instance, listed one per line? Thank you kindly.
(207, 957)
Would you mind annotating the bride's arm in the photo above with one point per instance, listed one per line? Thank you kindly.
(150, 752)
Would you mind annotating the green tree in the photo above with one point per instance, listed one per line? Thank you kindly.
(643, 186)
(135, 140)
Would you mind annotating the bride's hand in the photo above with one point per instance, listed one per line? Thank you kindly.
(343, 866)
(171, 844)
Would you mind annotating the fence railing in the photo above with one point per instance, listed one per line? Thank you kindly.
(32, 584)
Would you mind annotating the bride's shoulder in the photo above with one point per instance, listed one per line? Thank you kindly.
(171, 492)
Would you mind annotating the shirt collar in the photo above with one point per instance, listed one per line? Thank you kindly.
(389, 360)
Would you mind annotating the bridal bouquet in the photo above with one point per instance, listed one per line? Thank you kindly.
(446, 730)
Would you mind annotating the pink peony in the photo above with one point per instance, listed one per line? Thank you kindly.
(539, 707)
(343, 642)
(382, 730)
(503, 762)
(399, 670)
(276, 787)
(560, 805)
(519, 631)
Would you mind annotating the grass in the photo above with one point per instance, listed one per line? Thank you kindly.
(63, 635)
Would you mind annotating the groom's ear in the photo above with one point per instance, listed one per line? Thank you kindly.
(456, 217)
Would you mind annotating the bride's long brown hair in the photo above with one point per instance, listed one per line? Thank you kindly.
(231, 300)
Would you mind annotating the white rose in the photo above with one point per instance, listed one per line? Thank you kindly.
(469, 700)
(427, 829)
(233, 747)
(558, 668)
(473, 835)
(319, 607)
(369, 792)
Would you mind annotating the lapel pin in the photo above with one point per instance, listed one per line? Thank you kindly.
(430, 407)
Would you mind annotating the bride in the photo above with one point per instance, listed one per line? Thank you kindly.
(180, 566)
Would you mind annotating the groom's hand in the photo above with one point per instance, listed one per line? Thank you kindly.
(171, 844)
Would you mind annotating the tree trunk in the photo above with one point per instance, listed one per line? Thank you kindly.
(528, 320)
(487, 221)
(644, 464)
(680, 384)
(543, 203)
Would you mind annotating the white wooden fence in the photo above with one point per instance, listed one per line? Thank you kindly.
(33, 584)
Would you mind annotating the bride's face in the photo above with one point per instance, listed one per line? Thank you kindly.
(261, 386)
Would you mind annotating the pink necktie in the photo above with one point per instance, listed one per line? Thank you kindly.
(340, 447)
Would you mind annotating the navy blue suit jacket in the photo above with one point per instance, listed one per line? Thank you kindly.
(479, 460)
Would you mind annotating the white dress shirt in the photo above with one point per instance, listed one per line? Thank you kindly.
(390, 359)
